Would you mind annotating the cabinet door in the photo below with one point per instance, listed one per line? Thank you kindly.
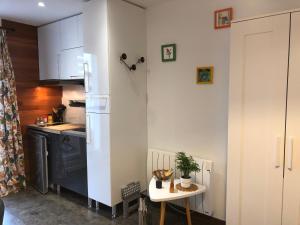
(49, 48)
(291, 194)
(98, 157)
(71, 64)
(71, 163)
(95, 36)
(38, 157)
(257, 104)
(53, 158)
(71, 32)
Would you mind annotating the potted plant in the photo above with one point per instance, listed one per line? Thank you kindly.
(186, 164)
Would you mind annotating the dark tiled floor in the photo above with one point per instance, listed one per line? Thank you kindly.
(31, 208)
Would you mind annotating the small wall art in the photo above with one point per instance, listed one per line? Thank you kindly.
(168, 52)
(223, 18)
(205, 75)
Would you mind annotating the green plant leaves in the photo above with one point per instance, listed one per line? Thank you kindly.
(186, 164)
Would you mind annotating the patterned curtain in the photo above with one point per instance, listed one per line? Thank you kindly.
(12, 175)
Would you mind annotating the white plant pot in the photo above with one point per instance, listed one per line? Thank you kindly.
(185, 183)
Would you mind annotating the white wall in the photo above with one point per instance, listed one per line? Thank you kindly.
(182, 115)
(74, 114)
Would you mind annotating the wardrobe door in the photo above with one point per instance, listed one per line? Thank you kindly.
(291, 194)
(257, 104)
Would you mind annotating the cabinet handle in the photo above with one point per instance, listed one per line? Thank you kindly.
(290, 153)
(277, 152)
(86, 77)
(88, 135)
(44, 139)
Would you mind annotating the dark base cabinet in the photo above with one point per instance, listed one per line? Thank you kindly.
(66, 160)
(38, 147)
(53, 149)
(68, 163)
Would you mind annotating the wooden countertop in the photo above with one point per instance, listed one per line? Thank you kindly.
(56, 129)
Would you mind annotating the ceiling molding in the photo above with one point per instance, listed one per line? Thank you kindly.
(135, 4)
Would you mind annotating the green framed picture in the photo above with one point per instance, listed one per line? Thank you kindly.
(205, 75)
(168, 52)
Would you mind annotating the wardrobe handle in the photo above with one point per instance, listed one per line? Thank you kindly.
(88, 135)
(86, 77)
(290, 153)
(277, 152)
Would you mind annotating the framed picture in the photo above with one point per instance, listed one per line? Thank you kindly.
(168, 52)
(205, 75)
(223, 18)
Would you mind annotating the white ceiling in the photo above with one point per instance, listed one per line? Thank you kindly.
(27, 11)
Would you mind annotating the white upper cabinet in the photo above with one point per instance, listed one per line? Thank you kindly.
(49, 48)
(61, 49)
(71, 64)
(71, 32)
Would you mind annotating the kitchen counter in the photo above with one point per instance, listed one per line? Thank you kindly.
(58, 152)
(61, 129)
(75, 133)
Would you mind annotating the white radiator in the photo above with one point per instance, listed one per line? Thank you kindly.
(161, 159)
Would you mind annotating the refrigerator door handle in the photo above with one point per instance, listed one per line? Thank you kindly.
(290, 153)
(86, 77)
(277, 152)
(88, 134)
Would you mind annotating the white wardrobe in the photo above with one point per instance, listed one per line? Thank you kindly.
(263, 186)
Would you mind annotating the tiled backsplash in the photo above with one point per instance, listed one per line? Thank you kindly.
(74, 114)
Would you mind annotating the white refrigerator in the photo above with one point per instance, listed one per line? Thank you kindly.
(116, 107)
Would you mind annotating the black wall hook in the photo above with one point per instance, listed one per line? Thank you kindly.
(123, 57)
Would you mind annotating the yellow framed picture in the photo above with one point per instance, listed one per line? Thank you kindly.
(205, 75)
